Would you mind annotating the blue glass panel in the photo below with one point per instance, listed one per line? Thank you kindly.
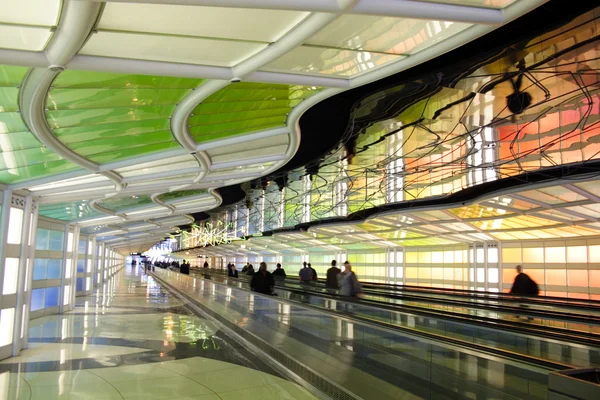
(57, 240)
(80, 265)
(37, 299)
(41, 240)
(82, 247)
(79, 285)
(54, 269)
(39, 268)
(52, 294)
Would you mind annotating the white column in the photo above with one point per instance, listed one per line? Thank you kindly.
(20, 313)
(75, 259)
(29, 276)
(63, 274)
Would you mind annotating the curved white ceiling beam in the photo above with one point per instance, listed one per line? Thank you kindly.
(95, 206)
(156, 200)
(205, 165)
(397, 8)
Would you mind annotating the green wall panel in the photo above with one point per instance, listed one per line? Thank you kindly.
(245, 107)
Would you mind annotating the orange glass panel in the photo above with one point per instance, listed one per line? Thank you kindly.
(424, 273)
(537, 275)
(533, 255)
(595, 278)
(508, 275)
(578, 277)
(578, 296)
(594, 253)
(511, 255)
(458, 274)
(556, 277)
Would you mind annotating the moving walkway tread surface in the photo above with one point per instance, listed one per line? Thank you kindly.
(543, 342)
(368, 360)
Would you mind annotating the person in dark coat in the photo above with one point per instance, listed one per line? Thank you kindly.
(232, 271)
(314, 271)
(524, 285)
(333, 276)
(250, 270)
(205, 264)
(262, 280)
(279, 272)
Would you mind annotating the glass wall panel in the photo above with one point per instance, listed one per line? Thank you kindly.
(15, 226)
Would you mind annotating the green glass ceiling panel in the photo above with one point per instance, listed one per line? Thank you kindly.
(180, 195)
(25, 173)
(63, 99)
(123, 203)
(89, 79)
(11, 76)
(82, 118)
(69, 211)
(124, 153)
(22, 156)
(108, 116)
(104, 131)
(245, 107)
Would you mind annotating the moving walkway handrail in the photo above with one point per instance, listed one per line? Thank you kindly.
(566, 316)
(546, 332)
(495, 352)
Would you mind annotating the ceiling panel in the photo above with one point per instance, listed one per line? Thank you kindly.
(245, 107)
(121, 203)
(476, 3)
(330, 61)
(384, 34)
(70, 211)
(224, 53)
(229, 23)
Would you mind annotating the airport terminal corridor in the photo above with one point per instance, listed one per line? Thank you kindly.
(131, 339)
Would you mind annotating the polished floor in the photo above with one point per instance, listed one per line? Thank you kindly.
(132, 340)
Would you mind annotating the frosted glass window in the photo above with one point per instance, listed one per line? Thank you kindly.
(555, 255)
(458, 274)
(80, 265)
(458, 256)
(594, 278)
(68, 269)
(480, 255)
(399, 272)
(412, 257)
(437, 257)
(70, 242)
(471, 274)
(37, 299)
(52, 296)
(11, 272)
(391, 272)
(424, 273)
(67, 295)
(577, 254)
(88, 283)
(42, 238)
(511, 255)
(556, 277)
(81, 247)
(39, 269)
(578, 278)
(480, 275)
(424, 258)
(492, 255)
(594, 254)
(437, 273)
(533, 255)
(7, 321)
(79, 285)
(411, 273)
(392, 257)
(15, 226)
(493, 275)
(57, 240)
(399, 257)
(54, 269)
(89, 266)
(448, 257)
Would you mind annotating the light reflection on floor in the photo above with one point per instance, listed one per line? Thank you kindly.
(132, 340)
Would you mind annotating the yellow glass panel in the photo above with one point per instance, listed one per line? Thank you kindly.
(577, 254)
(458, 256)
(578, 277)
(459, 273)
(411, 273)
(437, 257)
(555, 255)
(424, 273)
(412, 257)
(595, 253)
(424, 257)
(556, 277)
(533, 255)
(448, 274)
(511, 255)
(437, 273)
(508, 275)
(448, 257)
